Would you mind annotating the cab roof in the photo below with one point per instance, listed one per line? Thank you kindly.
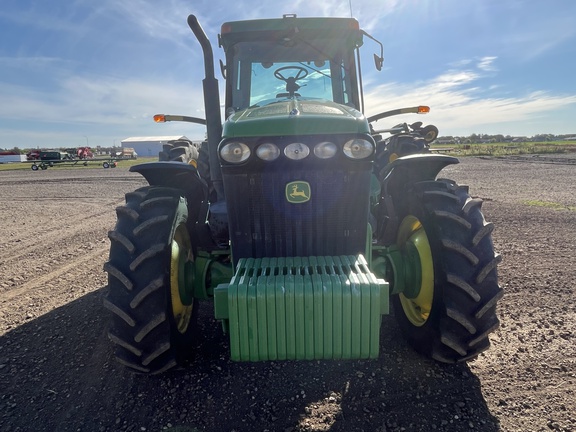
(290, 26)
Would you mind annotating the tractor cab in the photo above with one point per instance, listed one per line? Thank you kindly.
(272, 59)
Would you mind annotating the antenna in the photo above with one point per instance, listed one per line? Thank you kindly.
(350, 4)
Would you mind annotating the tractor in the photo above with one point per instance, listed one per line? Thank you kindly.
(298, 219)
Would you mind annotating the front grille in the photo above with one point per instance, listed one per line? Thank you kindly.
(263, 223)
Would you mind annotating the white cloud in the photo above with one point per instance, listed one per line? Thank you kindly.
(164, 20)
(38, 20)
(534, 41)
(93, 100)
(96, 106)
(39, 62)
(459, 107)
(487, 64)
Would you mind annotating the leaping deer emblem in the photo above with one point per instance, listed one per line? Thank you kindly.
(298, 192)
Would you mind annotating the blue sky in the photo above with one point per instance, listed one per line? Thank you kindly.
(82, 71)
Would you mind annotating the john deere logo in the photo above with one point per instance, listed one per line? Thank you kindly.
(298, 192)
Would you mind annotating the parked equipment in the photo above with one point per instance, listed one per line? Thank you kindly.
(33, 155)
(44, 164)
(297, 218)
(84, 153)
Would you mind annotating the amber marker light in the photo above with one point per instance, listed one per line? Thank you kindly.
(160, 118)
(423, 109)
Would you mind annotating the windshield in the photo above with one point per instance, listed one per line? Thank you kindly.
(260, 71)
(316, 80)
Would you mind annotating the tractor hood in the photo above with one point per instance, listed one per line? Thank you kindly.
(295, 116)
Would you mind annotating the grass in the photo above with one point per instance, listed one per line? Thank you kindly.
(549, 204)
(507, 149)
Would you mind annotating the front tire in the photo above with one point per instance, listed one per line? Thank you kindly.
(452, 310)
(150, 281)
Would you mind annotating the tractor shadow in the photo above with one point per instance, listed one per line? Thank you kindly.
(57, 373)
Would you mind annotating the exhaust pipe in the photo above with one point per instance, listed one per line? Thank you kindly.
(211, 106)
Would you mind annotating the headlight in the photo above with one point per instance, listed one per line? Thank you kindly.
(358, 148)
(268, 151)
(296, 151)
(325, 150)
(235, 152)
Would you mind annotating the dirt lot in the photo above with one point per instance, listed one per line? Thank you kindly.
(57, 373)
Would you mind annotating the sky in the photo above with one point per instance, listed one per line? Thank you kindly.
(85, 72)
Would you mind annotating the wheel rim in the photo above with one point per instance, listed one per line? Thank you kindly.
(412, 236)
(181, 300)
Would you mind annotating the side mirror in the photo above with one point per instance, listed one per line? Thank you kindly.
(223, 69)
(378, 61)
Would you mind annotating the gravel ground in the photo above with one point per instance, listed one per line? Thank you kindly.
(57, 372)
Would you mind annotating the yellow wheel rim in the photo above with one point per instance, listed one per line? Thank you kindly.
(181, 253)
(417, 309)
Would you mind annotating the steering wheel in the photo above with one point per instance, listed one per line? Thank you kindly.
(291, 84)
(301, 73)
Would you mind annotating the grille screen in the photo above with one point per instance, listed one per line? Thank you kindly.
(263, 223)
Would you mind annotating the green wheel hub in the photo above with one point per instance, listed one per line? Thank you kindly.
(181, 279)
(416, 299)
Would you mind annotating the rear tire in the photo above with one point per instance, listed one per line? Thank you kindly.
(394, 147)
(179, 151)
(451, 313)
(204, 170)
(150, 281)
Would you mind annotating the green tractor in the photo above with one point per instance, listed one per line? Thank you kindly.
(297, 218)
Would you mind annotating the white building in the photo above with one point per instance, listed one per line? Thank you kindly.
(148, 146)
(12, 158)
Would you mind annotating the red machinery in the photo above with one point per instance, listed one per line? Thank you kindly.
(84, 153)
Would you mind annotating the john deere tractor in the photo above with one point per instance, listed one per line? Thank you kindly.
(297, 218)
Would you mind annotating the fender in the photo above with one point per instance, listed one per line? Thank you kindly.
(184, 177)
(399, 173)
(175, 175)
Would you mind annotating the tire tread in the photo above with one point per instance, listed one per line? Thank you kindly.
(142, 331)
(465, 272)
